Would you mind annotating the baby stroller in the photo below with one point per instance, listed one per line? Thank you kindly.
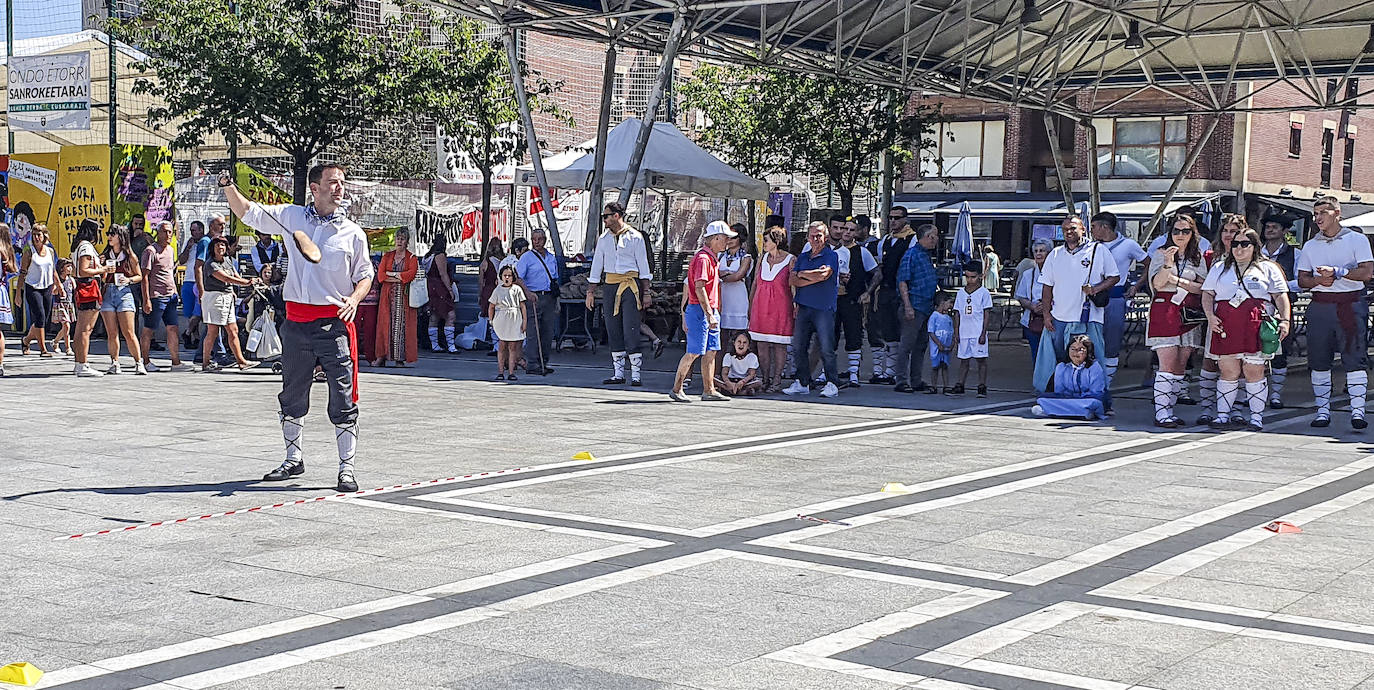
(266, 313)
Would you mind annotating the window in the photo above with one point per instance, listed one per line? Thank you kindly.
(1295, 139)
(1348, 162)
(1148, 147)
(968, 149)
(1328, 143)
(1331, 86)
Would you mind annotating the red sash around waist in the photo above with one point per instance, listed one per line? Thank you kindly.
(1345, 311)
(305, 313)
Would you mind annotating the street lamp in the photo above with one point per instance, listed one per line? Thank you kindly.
(1134, 41)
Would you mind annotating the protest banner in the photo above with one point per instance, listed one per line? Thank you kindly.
(144, 183)
(49, 92)
(82, 190)
(32, 177)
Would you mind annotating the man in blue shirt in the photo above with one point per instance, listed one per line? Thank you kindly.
(538, 271)
(816, 278)
(916, 285)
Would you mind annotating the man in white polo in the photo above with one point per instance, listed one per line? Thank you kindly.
(1334, 265)
(1126, 252)
(1072, 275)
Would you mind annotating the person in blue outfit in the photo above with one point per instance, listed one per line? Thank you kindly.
(940, 327)
(1080, 384)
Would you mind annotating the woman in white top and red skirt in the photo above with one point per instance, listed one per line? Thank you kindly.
(1242, 290)
(1176, 273)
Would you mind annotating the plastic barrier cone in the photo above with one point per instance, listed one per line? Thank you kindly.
(584, 455)
(22, 673)
(1281, 527)
(895, 488)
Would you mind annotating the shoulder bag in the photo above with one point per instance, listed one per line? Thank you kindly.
(1268, 326)
(1099, 299)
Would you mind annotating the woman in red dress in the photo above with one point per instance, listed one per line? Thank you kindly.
(772, 311)
(395, 317)
(1176, 274)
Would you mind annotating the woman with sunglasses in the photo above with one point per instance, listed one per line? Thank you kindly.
(1231, 225)
(1242, 290)
(1176, 275)
(122, 273)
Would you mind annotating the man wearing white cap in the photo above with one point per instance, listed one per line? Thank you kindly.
(701, 317)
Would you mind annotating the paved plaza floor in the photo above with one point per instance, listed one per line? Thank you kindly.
(744, 545)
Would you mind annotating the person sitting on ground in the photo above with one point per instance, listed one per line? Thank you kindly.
(1080, 384)
(741, 368)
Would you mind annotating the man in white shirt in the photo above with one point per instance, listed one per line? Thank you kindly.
(621, 266)
(1072, 274)
(330, 274)
(1126, 252)
(1334, 265)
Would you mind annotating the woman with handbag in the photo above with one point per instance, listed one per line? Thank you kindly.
(117, 305)
(1173, 332)
(1028, 294)
(89, 272)
(443, 311)
(395, 316)
(1245, 299)
(1231, 225)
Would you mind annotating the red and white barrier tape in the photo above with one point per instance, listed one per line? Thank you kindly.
(241, 511)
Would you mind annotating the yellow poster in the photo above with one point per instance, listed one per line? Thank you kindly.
(82, 191)
(32, 177)
(144, 184)
(256, 187)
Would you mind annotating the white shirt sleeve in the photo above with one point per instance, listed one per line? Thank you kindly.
(869, 262)
(1213, 276)
(1109, 267)
(1302, 262)
(362, 261)
(1274, 278)
(261, 217)
(642, 260)
(1360, 245)
(599, 258)
(1025, 287)
(1047, 271)
(1293, 279)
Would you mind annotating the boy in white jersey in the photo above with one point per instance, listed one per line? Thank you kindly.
(972, 303)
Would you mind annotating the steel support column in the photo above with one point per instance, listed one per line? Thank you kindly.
(646, 127)
(1065, 178)
(532, 144)
(1094, 186)
(603, 124)
(1182, 173)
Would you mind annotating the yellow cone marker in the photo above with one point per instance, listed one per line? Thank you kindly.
(895, 488)
(22, 673)
(584, 455)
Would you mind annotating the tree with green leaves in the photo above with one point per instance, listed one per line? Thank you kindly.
(297, 75)
(766, 120)
(473, 102)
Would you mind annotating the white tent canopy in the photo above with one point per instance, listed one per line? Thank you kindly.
(671, 162)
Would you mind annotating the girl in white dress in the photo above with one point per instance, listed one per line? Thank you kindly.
(507, 315)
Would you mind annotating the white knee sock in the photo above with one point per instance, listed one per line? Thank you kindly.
(1164, 393)
(1321, 390)
(618, 363)
(1207, 391)
(855, 357)
(879, 358)
(291, 430)
(346, 437)
(1357, 382)
(1277, 377)
(636, 365)
(1109, 365)
(1226, 397)
(1180, 382)
(451, 335)
(1258, 398)
(433, 338)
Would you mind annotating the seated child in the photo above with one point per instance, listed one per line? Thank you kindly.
(740, 368)
(1080, 384)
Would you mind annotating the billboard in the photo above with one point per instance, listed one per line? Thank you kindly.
(50, 92)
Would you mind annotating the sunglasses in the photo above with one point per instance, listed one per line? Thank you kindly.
(1242, 244)
(604, 216)
(1183, 231)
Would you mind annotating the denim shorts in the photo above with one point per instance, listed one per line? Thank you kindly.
(701, 338)
(190, 303)
(118, 298)
(165, 310)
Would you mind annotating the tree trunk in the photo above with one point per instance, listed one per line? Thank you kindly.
(846, 199)
(299, 169)
(486, 209)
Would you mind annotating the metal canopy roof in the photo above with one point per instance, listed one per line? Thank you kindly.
(1066, 56)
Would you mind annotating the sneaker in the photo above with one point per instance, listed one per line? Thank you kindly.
(248, 365)
(797, 389)
(347, 484)
(452, 349)
(636, 383)
(114, 368)
(150, 367)
(183, 367)
(1320, 422)
(87, 371)
(1358, 423)
(658, 348)
(1254, 426)
(1168, 423)
(140, 369)
(1276, 402)
(829, 391)
(501, 376)
(285, 472)
(958, 389)
(715, 396)
(679, 396)
(982, 391)
(613, 381)
(1039, 411)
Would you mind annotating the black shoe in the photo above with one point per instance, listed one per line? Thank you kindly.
(1220, 424)
(1186, 400)
(903, 388)
(284, 473)
(875, 380)
(658, 348)
(1251, 426)
(613, 381)
(1203, 420)
(347, 484)
(1275, 404)
(932, 390)
(1170, 423)
(957, 390)
(1320, 422)
(982, 391)
(637, 383)
(849, 383)
(1358, 423)
(546, 371)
